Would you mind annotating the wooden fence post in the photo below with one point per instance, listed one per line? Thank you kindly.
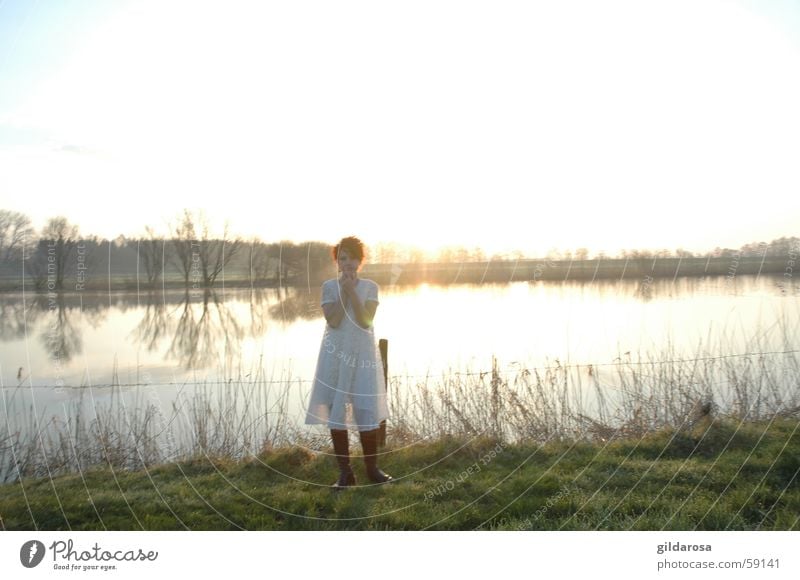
(495, 397)
(383, 346)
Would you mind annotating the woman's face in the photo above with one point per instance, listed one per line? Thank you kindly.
(347, 264)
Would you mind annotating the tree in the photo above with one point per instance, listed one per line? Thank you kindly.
(57, 246)
(201, 258)
(215, 254)
(290, 260)
(447, 254)
(784, 246)
(385, 253)
(183, 243)
(258, 260)
(151, 250)
(16, 235)
(416, 255)
(478, 254)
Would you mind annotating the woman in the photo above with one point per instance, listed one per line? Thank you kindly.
(349, 390)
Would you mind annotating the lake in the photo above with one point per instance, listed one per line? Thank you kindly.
(79, 350)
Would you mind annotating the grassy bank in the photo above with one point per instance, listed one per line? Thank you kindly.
(719, 475)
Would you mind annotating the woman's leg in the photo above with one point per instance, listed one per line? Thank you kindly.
(341, 447)
(369, 443)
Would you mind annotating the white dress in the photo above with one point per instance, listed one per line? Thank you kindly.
(349, 391)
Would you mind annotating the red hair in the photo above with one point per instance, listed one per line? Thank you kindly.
(352, 245)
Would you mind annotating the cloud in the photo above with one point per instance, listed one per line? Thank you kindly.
(75, 149)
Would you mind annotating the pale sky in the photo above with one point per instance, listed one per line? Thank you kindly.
(532, 125)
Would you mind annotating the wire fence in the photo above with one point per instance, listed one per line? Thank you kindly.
(476, 373)
(241, 418)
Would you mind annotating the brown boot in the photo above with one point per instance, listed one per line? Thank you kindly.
(341, 447)
(369, 443)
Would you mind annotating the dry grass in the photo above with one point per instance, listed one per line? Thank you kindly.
(553, 403)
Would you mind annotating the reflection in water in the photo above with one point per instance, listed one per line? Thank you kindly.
(154, 324)
(200, 337)
(589, 321)
(61, 339)
(205, 328)
(644, 291)
(295, 304)
(284, 305)
(196, 329)
(12, 318)
(259, 306)
(54, 315)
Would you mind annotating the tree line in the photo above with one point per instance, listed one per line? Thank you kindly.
(59, 258)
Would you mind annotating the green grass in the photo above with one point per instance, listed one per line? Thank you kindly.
(725, 475)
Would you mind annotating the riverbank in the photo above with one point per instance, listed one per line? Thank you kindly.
(644, 270)
(721, 475)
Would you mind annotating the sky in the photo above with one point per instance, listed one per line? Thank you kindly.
(499, 124)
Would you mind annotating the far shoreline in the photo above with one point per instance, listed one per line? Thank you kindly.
(645, 270)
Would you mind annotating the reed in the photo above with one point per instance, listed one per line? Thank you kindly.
(249, 415)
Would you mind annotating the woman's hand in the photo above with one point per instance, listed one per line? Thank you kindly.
(348, 284)
(363, 313)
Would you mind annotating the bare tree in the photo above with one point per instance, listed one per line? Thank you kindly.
(384, 253)
(151, 250)
(16, 232)
(215, 254)
(292, 260)
(258, 260)
(56, 248)
(477, 254)
(196, 254)
(445, 254)
(184, 244)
